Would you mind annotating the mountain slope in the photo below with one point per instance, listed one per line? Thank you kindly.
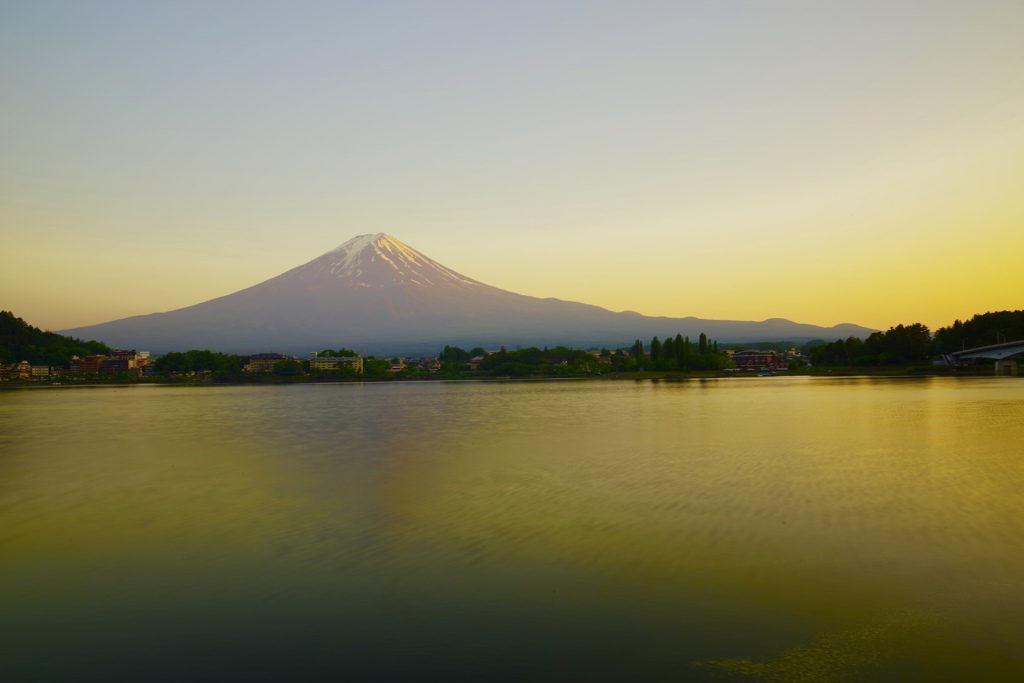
(379, 295)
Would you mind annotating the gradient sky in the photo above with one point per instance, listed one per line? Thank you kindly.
(824, 162)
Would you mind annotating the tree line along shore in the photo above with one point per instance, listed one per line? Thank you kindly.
(901, 348)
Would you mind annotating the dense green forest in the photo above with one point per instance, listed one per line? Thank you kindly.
(981, 330)
(674, 353)
(21, 341)
(900, 345)
(909, 344)
(220, 364)
(557, 362)
(453, 354)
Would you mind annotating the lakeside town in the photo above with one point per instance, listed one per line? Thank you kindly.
(911, 348)
(127, 364)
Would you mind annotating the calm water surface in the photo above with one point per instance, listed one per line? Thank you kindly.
(770, 529)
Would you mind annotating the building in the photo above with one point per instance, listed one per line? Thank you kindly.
(115, 366)
(339, 363)
(264, 362)
(131, 356)
(20, 370)
(752, 359)
(91, 365)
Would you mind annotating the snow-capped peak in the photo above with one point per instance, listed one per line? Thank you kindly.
(380, 260)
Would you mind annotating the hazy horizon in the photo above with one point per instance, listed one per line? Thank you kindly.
(821, 163)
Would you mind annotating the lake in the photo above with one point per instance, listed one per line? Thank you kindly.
(755, 529)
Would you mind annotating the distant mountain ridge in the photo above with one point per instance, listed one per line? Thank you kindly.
(376, 294)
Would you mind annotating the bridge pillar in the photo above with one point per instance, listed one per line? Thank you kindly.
(1006, 368)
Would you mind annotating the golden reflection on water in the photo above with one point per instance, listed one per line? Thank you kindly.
(785, 529)
(893, 501)
(114, 484)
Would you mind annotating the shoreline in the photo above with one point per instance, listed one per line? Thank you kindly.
(849, 372)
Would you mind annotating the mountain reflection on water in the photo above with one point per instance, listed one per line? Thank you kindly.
(776, 529)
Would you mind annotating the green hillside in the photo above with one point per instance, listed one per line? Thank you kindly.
(20, 341)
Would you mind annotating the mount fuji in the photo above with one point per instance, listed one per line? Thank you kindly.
(380, 296)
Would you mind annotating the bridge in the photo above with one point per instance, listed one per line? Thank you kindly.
(1000, 353)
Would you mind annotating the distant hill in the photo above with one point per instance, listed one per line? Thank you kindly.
(378, 295)
(21, 341)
